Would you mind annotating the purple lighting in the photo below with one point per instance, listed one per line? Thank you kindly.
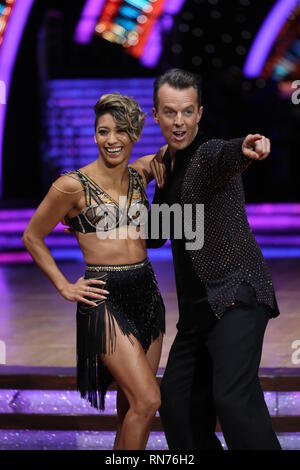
(19, 226)
(13, 258)
(88, 20)
(272, 222)
(60, 402)
(9, 49)
(266, 36)
(267, 208)
(16, 213)
(173, 7)
(153, 47)
(152, 50)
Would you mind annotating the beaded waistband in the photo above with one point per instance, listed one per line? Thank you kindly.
(118, 267)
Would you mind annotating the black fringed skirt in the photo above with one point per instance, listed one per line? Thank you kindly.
(135, 303)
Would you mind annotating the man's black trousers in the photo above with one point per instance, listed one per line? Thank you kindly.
(212, 371)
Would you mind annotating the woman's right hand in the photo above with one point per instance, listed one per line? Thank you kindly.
(92, 288)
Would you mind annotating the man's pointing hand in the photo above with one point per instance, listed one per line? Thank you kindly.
(256, 147)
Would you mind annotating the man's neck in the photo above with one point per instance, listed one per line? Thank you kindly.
(172, 152)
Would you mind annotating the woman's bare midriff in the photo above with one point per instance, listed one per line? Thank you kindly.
(111, 251)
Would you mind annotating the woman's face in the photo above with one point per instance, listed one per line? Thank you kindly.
(113, 143)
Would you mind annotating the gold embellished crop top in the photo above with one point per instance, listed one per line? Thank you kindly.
(102, 212)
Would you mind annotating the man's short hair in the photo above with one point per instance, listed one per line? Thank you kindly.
(180, 79)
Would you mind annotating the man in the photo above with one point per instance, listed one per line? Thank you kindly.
(225, 292)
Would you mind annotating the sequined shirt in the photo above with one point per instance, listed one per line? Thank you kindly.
(230, 256)
(191, 293)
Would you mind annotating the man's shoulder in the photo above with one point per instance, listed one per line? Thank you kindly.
(208, 148)
(211, 145)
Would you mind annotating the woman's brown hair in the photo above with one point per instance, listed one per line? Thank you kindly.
(126, 112)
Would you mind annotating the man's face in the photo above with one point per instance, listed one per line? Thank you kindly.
(178, 115)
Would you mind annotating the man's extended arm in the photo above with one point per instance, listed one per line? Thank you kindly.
(231, 157)
(221, 160)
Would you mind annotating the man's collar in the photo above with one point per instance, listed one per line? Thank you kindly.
(190, 149)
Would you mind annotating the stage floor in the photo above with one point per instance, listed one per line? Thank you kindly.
(38, 326)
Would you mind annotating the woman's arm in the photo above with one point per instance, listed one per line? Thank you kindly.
(54, 207)
(142, 165)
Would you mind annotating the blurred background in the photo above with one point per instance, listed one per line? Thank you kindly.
(72, 52)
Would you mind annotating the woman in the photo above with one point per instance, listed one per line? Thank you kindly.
(120, 312)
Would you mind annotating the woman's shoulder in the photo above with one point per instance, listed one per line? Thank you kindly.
(137, 173)
(68, 182)
(134, 171)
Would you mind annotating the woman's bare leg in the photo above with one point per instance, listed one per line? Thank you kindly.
(154, 352)
(122, 408)
(132, 371)
(153, 356)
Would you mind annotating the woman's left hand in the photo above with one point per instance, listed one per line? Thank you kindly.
(92, 288)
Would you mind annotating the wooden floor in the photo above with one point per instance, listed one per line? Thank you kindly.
(38, 326)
